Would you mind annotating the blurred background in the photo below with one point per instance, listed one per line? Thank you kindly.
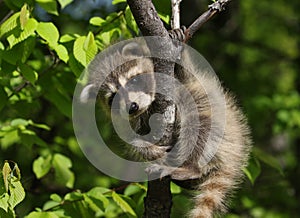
(253, 47)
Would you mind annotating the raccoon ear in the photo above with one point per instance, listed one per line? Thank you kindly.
(132, 50)
(87, 93)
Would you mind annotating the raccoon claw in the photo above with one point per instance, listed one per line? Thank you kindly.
(178, 34)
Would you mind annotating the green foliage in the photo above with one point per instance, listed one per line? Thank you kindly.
(14, 193)
(43, 51)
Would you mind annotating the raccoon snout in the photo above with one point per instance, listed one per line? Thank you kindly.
(133, 107)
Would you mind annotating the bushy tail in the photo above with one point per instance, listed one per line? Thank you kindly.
(211, 200)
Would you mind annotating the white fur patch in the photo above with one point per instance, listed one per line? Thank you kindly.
(141, 98)
(122, 81)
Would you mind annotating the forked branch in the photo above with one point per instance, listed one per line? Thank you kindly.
(213, 9)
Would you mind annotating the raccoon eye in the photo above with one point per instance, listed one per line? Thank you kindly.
(133, 108)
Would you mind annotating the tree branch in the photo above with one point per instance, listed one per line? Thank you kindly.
(214, 8)
(175, 20)
(158, 201)
(147, 18)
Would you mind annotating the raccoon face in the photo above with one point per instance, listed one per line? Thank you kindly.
(130, 88)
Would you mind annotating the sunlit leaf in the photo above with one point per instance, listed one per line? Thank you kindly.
(74, 196)
(123, 204)
(64, 3)
(56, 198)
(79, 52)
(114, 2)
(6, 174)
(18, 122)
(17, 193)
(9, 24)
(24, 15)
(48, 32)
(48, 5)
(63, 174)
(131, 190)
(130, 21)
(41, 166)
(62, 52)
(29, 30)
(4, 201)
(42, 215)
(97, 21)
(38, 125)
(90, 47)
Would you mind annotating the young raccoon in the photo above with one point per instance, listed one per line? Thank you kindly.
(216, 179)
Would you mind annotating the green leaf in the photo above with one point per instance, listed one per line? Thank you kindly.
(10, 24)
(20, 52)
(67, 38)
(114, 2)
(97, 194)
(38, 125)
(123, 204)
(48, 32)
(131, 190)
(19, 122)
(6, 174)
(98, 191)
(95, 205)
(76, 67)
(41, 166)
(253, 170)
(24, 15)
(90, 47)
(4, 201)
(175, 189)
(64, 3)
(74, 196)
(130, 21)
(63, 174)
(62, 53)
(48, 5)
(9, 138)
(268, 159)
(163, 9)
(42, 215)
(56, 198)
(63, 104)
(78, 51)
(97, 21)
(28, 31)
(28, 73)
(17, 193)
(85, 49)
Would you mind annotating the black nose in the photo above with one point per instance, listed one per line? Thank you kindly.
(133, 108)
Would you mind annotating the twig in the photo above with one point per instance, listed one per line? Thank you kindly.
(214, 8)
(175, 20)
(6, 16)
